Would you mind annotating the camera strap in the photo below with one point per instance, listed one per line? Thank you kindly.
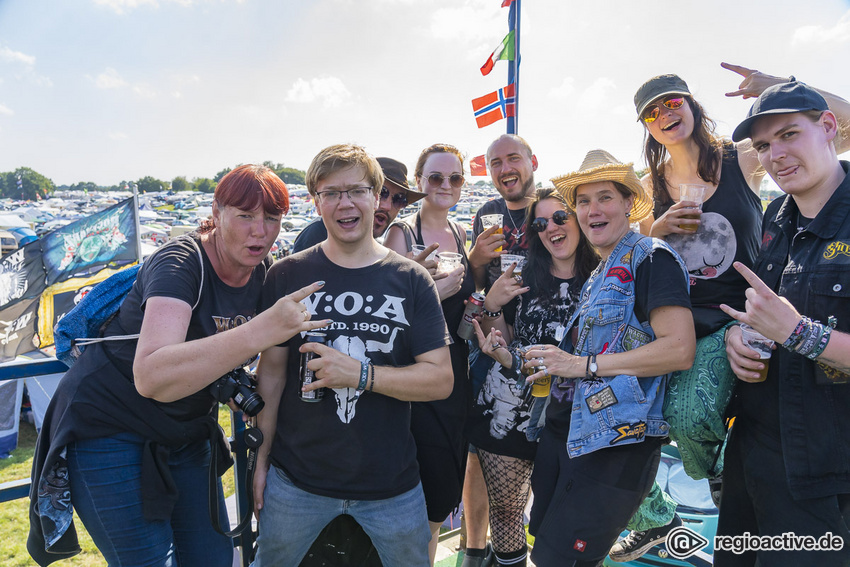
(253, 438)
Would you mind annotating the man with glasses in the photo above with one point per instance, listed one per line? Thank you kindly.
(395, 195)
(351, 452)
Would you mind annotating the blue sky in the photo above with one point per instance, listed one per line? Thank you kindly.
(105, 90)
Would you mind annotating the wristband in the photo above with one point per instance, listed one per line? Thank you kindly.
(372, 381)
(821, 346)
(796, 337)
(491, 314)
(364, 375)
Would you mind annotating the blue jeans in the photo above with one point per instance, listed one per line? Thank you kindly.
(292, 518)
(106, 493)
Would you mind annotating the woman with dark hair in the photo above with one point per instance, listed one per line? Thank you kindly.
(501, 424)
(681, 147)
(600, 447)
(438, 427)
(127, 437)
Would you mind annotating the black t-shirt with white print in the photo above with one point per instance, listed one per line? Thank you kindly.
(174, 271)
(343, 446)
(501, 411)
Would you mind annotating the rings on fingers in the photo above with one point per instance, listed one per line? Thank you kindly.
(540, 362)
(494, 345)
(542, 368)
(306, 315)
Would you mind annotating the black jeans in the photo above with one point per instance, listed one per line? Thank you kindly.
(756, 500)
(582, 504)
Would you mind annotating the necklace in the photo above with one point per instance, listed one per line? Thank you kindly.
(516, 229)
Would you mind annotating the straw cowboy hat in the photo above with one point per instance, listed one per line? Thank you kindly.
(599, 165)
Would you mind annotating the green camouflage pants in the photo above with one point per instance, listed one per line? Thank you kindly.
(694, 404)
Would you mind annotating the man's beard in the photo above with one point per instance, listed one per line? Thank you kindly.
(527, 190)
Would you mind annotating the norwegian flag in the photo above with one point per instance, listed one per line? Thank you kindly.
(495, 106)
(507, 3)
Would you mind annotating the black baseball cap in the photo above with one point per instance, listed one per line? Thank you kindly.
(784, 98)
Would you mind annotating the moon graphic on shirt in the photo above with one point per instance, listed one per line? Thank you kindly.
(709, 252)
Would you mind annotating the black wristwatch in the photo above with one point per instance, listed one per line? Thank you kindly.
(592, 367)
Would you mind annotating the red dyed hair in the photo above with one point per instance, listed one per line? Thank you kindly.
(249, 186)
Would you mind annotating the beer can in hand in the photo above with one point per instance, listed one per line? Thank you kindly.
(307, 375)
(474, 305)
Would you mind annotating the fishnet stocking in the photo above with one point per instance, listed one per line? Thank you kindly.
(508, 486)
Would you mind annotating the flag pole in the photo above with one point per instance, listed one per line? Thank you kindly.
(513, 67)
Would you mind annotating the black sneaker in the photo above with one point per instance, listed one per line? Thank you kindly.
(635, 544)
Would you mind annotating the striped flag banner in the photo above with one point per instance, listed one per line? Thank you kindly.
(495, 106)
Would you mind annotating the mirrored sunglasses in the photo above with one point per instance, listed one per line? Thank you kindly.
(653, 111)
(559, 217)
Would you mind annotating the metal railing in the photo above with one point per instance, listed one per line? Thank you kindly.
(20, 488)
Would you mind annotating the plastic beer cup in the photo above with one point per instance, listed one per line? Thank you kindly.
(493, 220)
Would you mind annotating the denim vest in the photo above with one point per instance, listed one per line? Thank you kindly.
(615, 410)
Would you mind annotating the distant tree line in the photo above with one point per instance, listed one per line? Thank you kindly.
(29, 185)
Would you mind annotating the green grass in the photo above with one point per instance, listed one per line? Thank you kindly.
(14, 515)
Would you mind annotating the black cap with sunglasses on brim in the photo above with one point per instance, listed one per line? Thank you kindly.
(656, 87)
(395, 174)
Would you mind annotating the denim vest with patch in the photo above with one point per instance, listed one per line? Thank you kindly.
(615, 410)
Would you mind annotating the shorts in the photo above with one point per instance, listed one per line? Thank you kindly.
(442, 480)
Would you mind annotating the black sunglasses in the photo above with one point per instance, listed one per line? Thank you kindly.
(399, 199)
(436, 179)
(560, 217)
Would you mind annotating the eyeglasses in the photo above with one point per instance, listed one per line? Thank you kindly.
(334, 196)
(651, 112)
(399, 199)
(559, 217)
(436, 180)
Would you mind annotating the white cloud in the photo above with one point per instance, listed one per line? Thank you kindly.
(596, 95)
(566, 88)
(330, 90)
(110, 79)
(12, 56)
(144, 90)
(819, 35)
(6, 110)
(117, 136)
